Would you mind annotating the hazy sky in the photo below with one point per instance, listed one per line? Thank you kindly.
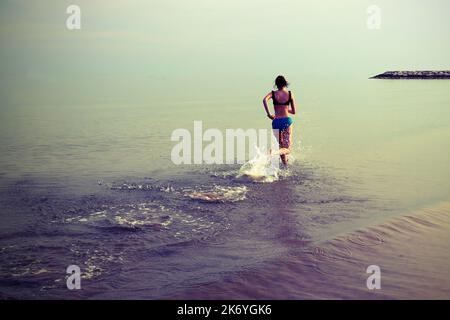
(136, 50)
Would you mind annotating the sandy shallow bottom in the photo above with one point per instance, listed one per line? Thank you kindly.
(412, 251)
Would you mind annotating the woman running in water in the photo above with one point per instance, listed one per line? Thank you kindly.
(281, 121)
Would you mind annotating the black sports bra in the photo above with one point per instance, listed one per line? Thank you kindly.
(278, 103)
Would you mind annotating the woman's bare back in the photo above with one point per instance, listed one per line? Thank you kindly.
(281, 111)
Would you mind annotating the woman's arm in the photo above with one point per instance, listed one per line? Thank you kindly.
(266, 98)
(292, 110)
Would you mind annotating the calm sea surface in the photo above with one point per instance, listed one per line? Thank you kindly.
(94, 186)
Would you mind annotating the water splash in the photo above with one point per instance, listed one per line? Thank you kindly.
(219, 194)
(261, 168)
(127, 216)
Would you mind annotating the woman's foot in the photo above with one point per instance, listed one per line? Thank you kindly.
(284, 160)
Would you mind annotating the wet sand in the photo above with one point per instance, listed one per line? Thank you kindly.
(412, 251)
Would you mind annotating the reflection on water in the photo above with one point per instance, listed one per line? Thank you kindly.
(412, 253)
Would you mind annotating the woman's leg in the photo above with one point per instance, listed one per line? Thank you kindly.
(276, 134)
(285, 144)
(284, 138)
(279, 135)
